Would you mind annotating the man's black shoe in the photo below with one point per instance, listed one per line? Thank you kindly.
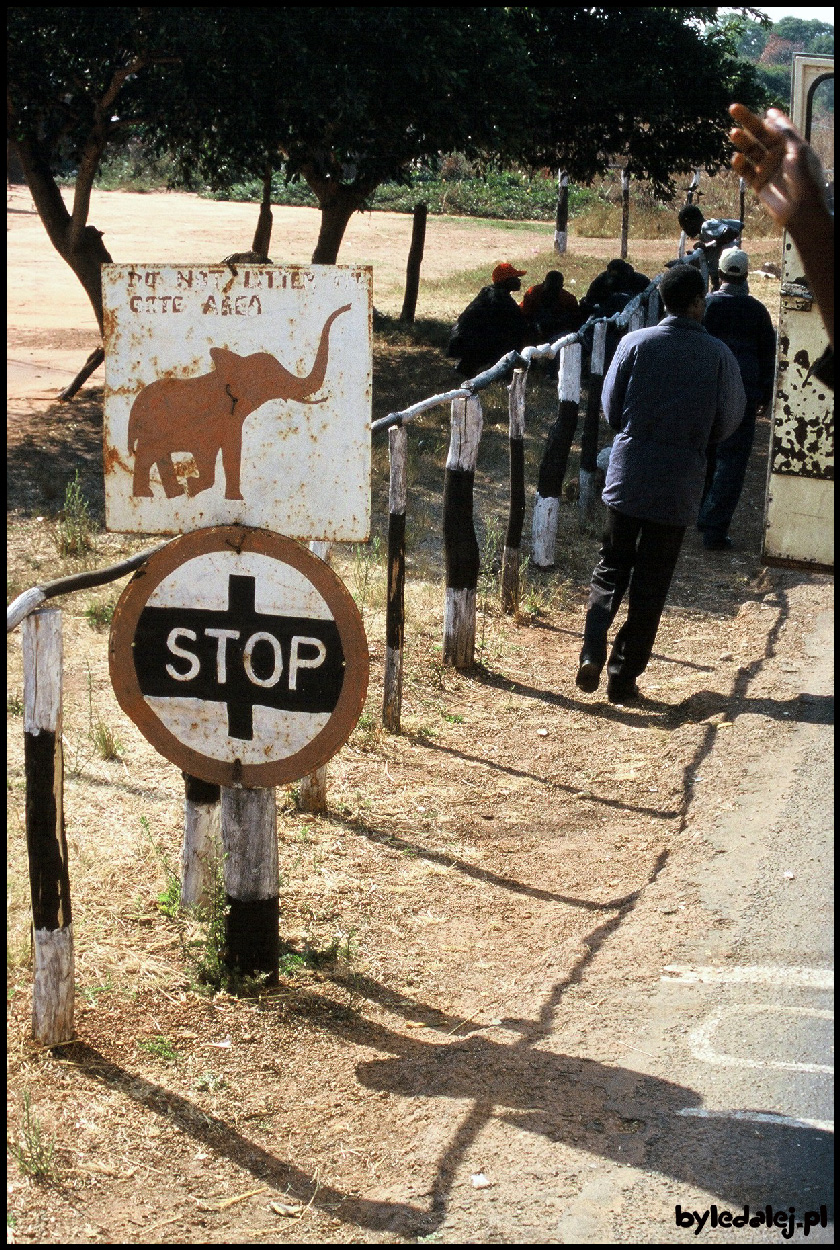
(717, 544)
(622, 691)
(588, 676)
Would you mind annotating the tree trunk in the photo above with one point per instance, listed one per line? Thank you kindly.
(262, 234)
(81, 245)
(338, 202)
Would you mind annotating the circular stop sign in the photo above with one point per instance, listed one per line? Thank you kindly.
(240, 655)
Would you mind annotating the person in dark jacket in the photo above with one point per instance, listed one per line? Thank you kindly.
(491, 326)
(670, 390)
(613, 289)
(610, 293)
(714, 235)
(744, 325)
(549, 310)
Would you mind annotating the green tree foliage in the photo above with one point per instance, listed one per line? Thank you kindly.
(347, 98)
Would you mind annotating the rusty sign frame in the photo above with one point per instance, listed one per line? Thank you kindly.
(238, 394)
(240, 540)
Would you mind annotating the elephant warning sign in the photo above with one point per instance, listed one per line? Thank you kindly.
(241, 656)
(238, 394)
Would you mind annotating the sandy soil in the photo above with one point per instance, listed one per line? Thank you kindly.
(493, 894)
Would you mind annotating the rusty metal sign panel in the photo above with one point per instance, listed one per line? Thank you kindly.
(241, 656)
(238, 394)
(799, 515)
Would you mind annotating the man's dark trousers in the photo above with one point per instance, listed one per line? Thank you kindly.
(728, 463)
(638, 557)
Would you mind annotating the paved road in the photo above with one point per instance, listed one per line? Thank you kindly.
(742, 1023)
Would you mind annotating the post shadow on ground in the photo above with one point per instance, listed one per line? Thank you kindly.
(607, 1111)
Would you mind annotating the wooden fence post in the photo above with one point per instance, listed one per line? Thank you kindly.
(689, 199)
(516, 515)
(313, 789)
(652, 318)
(201, 853)
(460, 542)
(252, 882)
(555, 459)
(561, 223)
(588, 478)
(415, 256)
(395, 612)
(49, 877)
(625, 212)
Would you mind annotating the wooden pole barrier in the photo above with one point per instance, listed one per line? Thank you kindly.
(561, 223)
(689, 199)
(415, 256)
(625, 212)
(589, 477)
(49, 878)
(516, 515)
(251, 873)
(313, 789)
(460, 542)
(555, 458)
(201, 853)
(653, 314)
(395, 612)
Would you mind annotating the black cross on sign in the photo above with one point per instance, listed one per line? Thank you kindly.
(239, 657)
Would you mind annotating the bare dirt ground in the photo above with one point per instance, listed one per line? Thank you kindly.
(488, 893)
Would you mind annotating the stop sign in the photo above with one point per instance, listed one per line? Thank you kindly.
(240, 655)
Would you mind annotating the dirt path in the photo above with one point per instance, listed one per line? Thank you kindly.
(476, 931)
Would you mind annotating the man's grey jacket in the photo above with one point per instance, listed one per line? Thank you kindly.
(670, 391)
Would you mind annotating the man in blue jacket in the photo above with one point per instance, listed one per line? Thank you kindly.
(670, 391)
(744, 325)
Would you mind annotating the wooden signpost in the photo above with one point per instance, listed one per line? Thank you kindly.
(243, 659)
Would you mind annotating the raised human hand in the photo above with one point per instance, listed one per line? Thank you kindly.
(774, 159)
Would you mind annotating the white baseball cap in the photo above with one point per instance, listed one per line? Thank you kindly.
(734, 262)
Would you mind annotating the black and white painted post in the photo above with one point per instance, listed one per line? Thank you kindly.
(395, 611)
(516, 515)
(201, 852)
(653, 308)
(589, 477)
(555, 458)
(252, 880)
(741, 194)
(561, 224)
(312, 796)
(625, 212)
(460, 542)
(49, 877)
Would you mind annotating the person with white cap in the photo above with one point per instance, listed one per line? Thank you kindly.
(492, 325)
(744, 325)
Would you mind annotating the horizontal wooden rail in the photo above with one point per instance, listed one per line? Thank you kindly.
(32, 599)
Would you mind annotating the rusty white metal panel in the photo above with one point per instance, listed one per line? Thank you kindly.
(799, 515)
(238, 395)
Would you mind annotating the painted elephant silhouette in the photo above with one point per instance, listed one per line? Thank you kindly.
(205, 415)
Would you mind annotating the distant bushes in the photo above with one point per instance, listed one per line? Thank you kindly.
(456, 188)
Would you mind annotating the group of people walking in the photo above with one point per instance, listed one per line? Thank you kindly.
(682, 396)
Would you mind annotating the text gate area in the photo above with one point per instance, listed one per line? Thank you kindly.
(241, 657)
(238, 394)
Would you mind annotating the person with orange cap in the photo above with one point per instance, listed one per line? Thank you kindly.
(490, 326)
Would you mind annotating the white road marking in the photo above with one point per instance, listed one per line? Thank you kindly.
(701, 1045)
(759, 1117)
(757, 974)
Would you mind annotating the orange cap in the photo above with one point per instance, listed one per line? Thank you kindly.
(506, 270)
